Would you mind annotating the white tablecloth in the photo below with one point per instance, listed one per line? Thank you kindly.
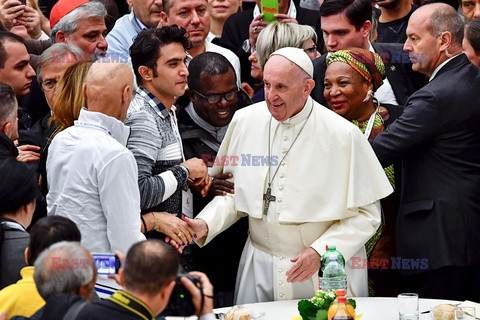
(371, 308)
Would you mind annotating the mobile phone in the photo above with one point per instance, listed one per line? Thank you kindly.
(106, 263)
(269, 8)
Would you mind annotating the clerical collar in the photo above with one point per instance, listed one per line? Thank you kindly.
(134, 305)
(302, 115)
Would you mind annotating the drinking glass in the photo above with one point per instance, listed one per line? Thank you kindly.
(464, 313)
(408, 306)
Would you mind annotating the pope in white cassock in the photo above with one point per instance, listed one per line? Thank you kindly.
(321, 186)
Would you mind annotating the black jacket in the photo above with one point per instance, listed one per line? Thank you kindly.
(437, 137)
(7, 148)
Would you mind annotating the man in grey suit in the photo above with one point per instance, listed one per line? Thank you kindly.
(437, 137)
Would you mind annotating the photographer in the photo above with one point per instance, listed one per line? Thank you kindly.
(148, 279)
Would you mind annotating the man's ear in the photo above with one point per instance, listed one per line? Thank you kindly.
(309, 85)
(365, 29)
(164, 17)
(146, 73)
(126, 94)
(445, 40)
(60, 36)
(6, 128)
(167, 291)
(121, 277)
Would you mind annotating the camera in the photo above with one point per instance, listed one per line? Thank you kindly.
(180, 303)
(106, 263)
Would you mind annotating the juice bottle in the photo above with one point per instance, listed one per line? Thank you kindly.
(340, 311)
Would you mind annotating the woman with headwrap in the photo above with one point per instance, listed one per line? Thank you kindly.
(351, 79)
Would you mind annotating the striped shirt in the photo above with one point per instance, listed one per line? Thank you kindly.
(154, 142)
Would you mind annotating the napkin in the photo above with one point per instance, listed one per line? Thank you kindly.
(472, 304)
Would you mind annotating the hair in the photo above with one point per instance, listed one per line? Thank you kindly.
(69, 99)
(6, 36)
(472, 33)
(210, 63)
(152, 264)
(69, 23)
(18, 185)
(445, 18)
(112, 13)
(356, 11)
(63, 267)
(146, 47)
(279, 35)
(57, 53)
(49, 230)
(8, 101)
(166, 5)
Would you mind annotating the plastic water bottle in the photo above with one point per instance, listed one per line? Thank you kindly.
(333, 265)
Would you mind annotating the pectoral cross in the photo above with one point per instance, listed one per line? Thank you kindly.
(267, 198)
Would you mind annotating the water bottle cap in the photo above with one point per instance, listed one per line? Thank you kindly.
(342, 299)
(332, 247)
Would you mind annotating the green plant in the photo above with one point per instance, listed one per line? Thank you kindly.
(317, 307)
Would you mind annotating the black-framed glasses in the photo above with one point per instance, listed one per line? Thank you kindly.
(48, 84)
(216, 98)
(311, 49)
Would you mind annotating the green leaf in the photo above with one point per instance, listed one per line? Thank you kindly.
(307, 310)
(322, 315)
(353, 303)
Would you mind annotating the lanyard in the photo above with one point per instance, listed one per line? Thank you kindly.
(132, 304)
(369, 127)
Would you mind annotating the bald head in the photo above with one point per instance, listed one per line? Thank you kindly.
(108, 89)
(441, 17)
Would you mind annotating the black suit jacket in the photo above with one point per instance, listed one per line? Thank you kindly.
(438, 139)
(398, 69)
(235, 32)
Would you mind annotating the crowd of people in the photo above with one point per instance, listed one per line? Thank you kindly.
(194, 136)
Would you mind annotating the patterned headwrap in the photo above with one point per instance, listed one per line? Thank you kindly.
(368, 64)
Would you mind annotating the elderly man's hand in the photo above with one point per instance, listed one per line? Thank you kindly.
(9, 10)
(305, 265)
(197, 294)
(28, 153)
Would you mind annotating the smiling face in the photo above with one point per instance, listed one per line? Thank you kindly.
(286, 87)
(222, 9)
(344, 91)
(218, 114)
(340, 34)
(148, 11)
(192, 15)
(17, 71)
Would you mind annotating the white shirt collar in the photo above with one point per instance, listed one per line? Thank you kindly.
(107, 124)
(292, 10)
(440, 67)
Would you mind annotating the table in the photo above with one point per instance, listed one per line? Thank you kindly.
(371, 308)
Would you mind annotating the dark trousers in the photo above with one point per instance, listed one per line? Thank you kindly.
(451, 283)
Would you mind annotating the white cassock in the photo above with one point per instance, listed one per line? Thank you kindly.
(327, 190)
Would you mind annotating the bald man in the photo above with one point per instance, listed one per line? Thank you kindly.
(305, 178)
(437, 138)
(92, 175)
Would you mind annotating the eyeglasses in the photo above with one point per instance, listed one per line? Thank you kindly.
(311, 49)
(48, 84)
(216, 98)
